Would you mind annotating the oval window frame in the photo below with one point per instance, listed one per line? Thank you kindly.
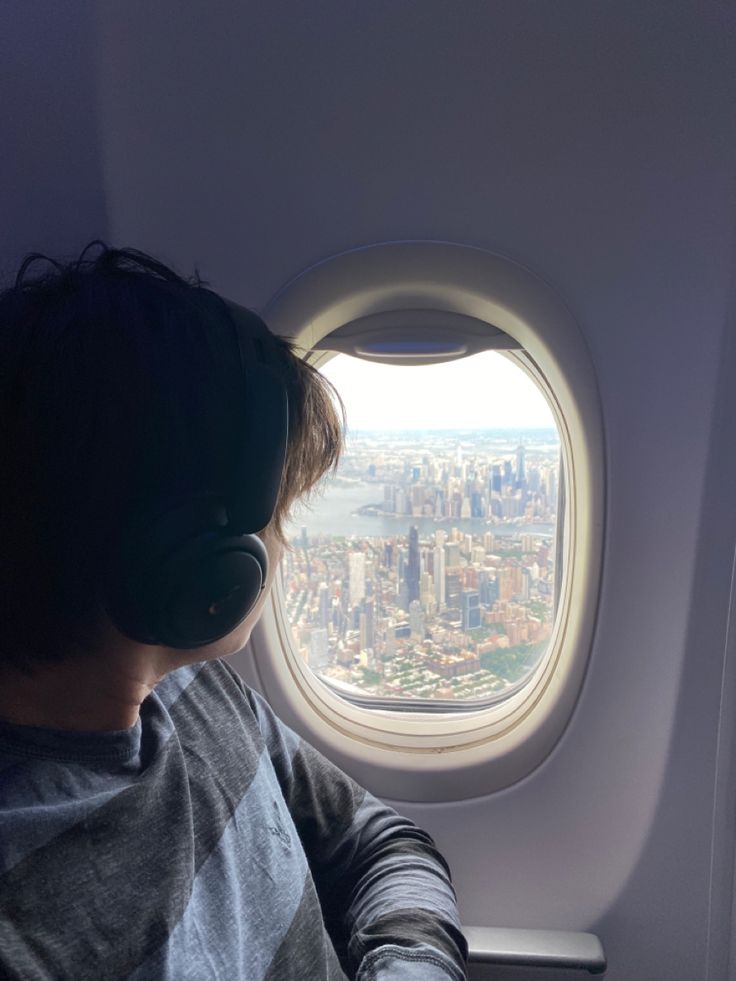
(472, 752)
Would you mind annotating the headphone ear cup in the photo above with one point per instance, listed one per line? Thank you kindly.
(182, 579)
(206, 591)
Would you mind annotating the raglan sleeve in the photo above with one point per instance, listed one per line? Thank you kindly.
(385, 890)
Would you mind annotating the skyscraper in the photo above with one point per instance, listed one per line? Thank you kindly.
(416, 620)
(439, 575)
(520, 470)
(453, 587)
(357, 577)
(452, 550)
(470, 607)
(324, 604)
(318, 650)
(489, 591)
(370, 624)
(413, 569)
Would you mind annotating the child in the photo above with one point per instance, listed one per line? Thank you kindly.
(157, 821)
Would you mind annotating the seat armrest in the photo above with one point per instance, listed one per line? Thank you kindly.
(535, 948)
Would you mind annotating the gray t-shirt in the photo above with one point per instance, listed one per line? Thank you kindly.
(209, 842)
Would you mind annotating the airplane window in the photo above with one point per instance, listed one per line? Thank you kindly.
(436, 609)
(425, 574)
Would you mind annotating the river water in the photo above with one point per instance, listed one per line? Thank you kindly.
(334, 513)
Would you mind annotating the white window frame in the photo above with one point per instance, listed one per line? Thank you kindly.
(416, 756)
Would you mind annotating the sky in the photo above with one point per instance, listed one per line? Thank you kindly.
(485, 391)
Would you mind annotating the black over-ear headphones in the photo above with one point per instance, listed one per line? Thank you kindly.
(187, 575)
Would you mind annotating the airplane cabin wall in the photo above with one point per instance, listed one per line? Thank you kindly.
(592, 143)
(52, 193)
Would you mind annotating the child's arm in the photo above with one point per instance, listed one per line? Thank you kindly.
(384, 888)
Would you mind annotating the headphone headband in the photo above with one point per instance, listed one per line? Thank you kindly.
(263, 453)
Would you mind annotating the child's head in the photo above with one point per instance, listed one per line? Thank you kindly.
(121, 391)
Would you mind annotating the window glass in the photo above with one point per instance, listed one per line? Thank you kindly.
(425, 571)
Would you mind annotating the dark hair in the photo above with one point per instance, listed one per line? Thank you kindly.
(118, 387)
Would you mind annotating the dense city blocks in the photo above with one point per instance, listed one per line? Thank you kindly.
(427, 568)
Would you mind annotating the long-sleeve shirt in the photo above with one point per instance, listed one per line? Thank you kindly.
(209, 842)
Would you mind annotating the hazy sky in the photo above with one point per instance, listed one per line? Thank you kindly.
(483, 391)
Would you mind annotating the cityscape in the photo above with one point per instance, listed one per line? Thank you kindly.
(426, 568)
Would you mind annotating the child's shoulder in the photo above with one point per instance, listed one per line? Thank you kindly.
(207, 681)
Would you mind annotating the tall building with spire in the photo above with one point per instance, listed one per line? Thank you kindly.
(520, 466)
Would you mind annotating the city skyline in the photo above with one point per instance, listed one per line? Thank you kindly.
(427, 571)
